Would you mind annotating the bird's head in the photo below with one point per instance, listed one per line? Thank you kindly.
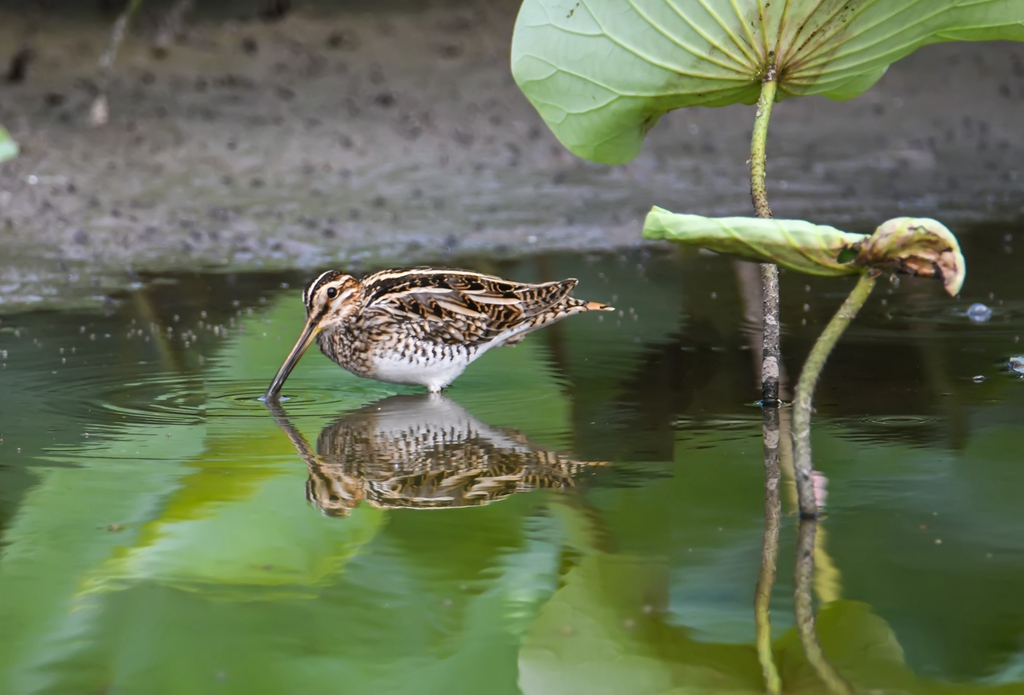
(329, 300)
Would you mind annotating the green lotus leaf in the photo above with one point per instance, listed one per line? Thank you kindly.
(910, 245)
(8, 147)
(602, 72)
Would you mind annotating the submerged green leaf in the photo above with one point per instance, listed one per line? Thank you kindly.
(910, 245)
(8, 147)
(809, 248)
(602, 72)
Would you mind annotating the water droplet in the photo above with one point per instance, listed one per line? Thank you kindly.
(979, 313)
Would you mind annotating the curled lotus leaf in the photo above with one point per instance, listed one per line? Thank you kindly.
(915, 246)
(816, 249)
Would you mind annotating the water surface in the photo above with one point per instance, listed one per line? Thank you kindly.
(582, 513)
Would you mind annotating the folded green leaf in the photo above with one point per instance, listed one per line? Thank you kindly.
(815, 249)
(8, 147)
(602, 72)
(914, 246)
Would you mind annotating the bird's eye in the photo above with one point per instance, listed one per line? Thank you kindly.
(332, 292)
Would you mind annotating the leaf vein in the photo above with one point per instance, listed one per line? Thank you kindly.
(901, 28)
(746, 29)
(685, 47)
(703, 35)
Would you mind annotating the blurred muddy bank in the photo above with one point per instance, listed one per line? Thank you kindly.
(360, 133)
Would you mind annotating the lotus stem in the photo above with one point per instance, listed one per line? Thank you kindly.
(758, 190)
(771, 352)
(769, 552)
(803, 608)
(803, 399)
(770, 371)
(769, 271)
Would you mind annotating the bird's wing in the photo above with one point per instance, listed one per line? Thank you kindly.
(472, 307)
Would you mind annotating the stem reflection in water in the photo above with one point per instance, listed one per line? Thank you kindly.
(769, 551)
(751, 293)
(803, 606)
(422, 452)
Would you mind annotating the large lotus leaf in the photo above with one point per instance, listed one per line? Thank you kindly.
(70, 522)
(911, 245)
(594, 636)
(601, 72)
(239, 550)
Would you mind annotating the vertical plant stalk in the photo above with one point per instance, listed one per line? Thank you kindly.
(99, 112)
(803, 607)
(802, 401)
(769, 552)
(769, 271)
(770, 370)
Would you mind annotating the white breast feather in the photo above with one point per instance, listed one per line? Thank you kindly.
(433, 372)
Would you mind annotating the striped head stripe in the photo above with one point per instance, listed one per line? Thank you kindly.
(311, 288)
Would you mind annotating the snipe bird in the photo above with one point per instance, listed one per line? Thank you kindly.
(422, 326)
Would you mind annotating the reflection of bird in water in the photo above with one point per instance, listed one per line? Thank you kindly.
(422, 452)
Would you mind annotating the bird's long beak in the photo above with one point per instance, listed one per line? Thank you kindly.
(310, 332)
